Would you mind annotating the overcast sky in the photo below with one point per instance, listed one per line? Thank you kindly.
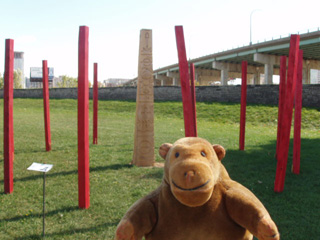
(48, 30)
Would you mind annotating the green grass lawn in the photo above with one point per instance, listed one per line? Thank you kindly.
(115, 185)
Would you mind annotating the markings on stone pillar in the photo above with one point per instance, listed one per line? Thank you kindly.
(144, 126)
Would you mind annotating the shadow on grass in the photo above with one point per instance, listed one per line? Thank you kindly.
(123, 150)
(258, 164)
(255, 168)
(70, 231)
(23, 151)
(112, 145)
(43, 150)
(38, 215)
(125, 147)
(243, 165)
(156, 175)
(66, 146)
(64, 173)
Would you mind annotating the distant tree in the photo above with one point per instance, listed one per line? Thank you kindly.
(17, 79)
(100, 84)
(1, 80)
(91, 84)
(68, 82)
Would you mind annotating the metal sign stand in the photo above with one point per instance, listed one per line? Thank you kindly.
(40, 167)
(44, 203)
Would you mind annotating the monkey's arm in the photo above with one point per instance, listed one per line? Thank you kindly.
(246, 210)
(139, 220)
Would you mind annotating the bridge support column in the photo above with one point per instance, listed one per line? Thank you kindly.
(268, 73)
(175, 78)
(223, 67)
(176, 81)
(305, 76)
(224, 76)
(268, 61)
(163, 79)
(256, 79)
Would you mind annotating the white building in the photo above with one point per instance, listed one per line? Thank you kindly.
(19, 64)
(115, 82)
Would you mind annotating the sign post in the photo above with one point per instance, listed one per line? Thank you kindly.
(8, 138)
(46, 107)
(189, 119)
(297, 117)
(282, 95)
(83, 119)
(41, 167)
(244, 67)
(95, 103)
(193, 97)
(282, 155)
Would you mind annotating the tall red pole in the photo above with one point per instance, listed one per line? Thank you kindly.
(282, 95)
(193, 97)
(243, 104)
(83, 119)
(8, 141)
(287, 114)
(45, 83)
(95, 104)
(297, 118)
(189, 124)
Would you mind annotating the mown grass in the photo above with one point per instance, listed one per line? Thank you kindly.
(115, 185)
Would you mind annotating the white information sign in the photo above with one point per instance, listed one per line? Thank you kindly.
(36, 72)
(40, 167)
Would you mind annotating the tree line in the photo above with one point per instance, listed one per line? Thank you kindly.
(17, 79)
(64, 82)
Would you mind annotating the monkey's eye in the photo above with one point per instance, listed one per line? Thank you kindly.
(203, 154)
(177, 154)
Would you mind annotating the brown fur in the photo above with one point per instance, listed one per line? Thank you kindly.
(197, 200)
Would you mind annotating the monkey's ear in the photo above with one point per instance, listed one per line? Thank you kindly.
(220, 151)
(164, 149)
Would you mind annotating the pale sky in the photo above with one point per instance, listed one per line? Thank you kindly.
(48, 30)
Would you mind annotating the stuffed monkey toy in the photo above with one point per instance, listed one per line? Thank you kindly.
(197, 200)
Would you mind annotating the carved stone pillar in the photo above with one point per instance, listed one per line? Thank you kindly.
(143, 154)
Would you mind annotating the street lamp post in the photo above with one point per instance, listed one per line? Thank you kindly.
(251, 24)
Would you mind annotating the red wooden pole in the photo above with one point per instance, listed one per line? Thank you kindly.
(83, 119)
(45, 82)
(287, 114)
(282, 95)
(193, 97)
(243, 104)
(189, 124)
(8, 118)
(95, 104)
(297, 118)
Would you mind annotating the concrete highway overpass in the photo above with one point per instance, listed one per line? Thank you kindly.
(263, 62)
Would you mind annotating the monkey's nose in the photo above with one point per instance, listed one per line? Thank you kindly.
(189, 175)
